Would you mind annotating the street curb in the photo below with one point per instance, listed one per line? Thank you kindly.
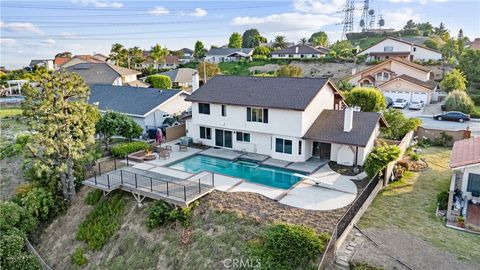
(431, 116)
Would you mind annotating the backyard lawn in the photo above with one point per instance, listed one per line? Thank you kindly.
(409, 205)
(5, 112)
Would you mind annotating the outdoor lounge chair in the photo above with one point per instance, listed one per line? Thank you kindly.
(164, 154)
(183, 148)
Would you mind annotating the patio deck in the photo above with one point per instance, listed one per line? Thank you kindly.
(154, 185)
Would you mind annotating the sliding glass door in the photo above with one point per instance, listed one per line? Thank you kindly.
(223, 138)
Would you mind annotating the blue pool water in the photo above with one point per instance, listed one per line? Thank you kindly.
(250, 171)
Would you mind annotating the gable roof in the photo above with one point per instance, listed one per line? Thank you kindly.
(186, 50)
(302, 49)
(431, 85)
(180, 75)
(127, 99)
(269, 92)
(169, 59)
(228, 51)
(88, 58)
(403, 41)
(328, 127)
(60, 60)
(100, 73)
(38, 61)
(465, 152)
(404, 62)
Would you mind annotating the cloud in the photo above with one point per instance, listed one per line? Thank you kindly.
(423, 2)
(8, 42)
(159, 11)
(318, 6)
(199, 12)
(293, 25)
(397, 19)
(48, 42)
(45, 43)
(98, 3)
(20, 27)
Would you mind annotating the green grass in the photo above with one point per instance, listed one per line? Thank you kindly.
(7, 112)
(241, 68)
(366, 42)
(410, 205)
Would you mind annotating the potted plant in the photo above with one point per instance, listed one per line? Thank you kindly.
(461, 221)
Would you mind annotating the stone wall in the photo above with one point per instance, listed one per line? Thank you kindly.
(433, 134)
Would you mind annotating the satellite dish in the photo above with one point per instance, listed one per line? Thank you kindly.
(381, 22)
(362, 23)
(371, 12)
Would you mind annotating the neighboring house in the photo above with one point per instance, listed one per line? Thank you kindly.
(181, 77)
(188, 53)
(271, 44)
(47, 63)
(399, 79)
(291, 119)
(105, 73)
(464, 193)
(100, 57)
(219, 55)
(397, 48)
(170, 62)
(80, 59)
(149, 107)
(475, 44)
(300, 51)
(59, 61)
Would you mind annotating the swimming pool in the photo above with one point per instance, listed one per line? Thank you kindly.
(248, 170)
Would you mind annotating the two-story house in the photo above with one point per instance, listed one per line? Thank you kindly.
(291, 119)
(399, 79)
(397, 48)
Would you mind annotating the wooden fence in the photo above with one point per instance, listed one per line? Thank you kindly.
(175, 132)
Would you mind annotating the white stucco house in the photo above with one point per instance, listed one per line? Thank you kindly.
(291, 119)
(399, 79)
(219, 55)
(300, 51)
(464, 193)
(149, 107)
(394, 47)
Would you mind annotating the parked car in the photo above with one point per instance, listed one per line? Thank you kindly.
(452, 116)
(389, 102)
(400, 103)
(415, 105)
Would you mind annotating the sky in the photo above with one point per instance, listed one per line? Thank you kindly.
(40, 29)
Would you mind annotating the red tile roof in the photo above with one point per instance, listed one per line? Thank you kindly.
(60, 60)
(465, 152)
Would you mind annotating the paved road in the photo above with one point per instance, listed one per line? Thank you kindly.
(429, 122)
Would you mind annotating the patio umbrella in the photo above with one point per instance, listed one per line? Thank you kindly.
(159, 136)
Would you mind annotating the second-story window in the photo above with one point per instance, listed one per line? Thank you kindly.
(257, 115)
(204, 108)
(388, 49)
(224, 110)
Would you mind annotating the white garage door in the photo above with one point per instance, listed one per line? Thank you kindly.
(420, 96)
(398, 95)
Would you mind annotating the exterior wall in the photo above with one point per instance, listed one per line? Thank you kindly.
(379, 47)
(175, 105)
(129, 78)
(118, 81)
(411, 92)
(401, 69)
(296, 56)
(424, 54)
(325, 99)
(221, 58)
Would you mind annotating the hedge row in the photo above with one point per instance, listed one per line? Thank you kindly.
(123, 149)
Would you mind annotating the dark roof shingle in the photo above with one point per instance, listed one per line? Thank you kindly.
(127, 99)
(328, 127)
(269, 92)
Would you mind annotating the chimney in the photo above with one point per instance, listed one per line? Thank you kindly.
(296, 49)
(195, 81)
(348, 119)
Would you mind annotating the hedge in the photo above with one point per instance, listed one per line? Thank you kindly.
(123, 149)
(159, 81)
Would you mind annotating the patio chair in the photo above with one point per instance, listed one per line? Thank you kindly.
(183, 148)
(164, 154)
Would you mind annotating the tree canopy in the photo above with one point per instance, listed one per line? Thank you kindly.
(289, 71)
(399, 124)
(261, 51)
(235, 40)
(280, 42)
(159, 81)
(158, 54)
(342, 49)
(199, 51)
(251, 38)
(454, 80)
(379, 158)
(469, 64)
(368, 99)
(319, 39)
(459, 101)
(211, 69)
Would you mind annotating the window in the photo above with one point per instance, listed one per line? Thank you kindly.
(474, 184)
(388, 49)
(205, 133)
(299, 147)
(204, 108)
(291, 56)
(382, 76)
(414, 49)
(224, 110)
(257, 115)
(243, 137)
(283, 146)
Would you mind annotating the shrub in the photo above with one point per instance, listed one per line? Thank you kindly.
(162, 214)
(13, 256)
(102, 222)
(290, 71)
(414, 156)
(367, 98)
(459, 101)
(399, 125)
(13, 216)
(444, 140)
(123, 149)
(39, 202)
(78, 257)
(379, 158)
(442, 200)
(93, 197)
(16, 147)
(159, 81)
(286, 246)
(454, 80)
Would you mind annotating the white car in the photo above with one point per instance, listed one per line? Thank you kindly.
(415, 105)
(400, 103)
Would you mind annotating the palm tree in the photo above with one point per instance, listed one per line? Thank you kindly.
(158, 54)
(280, 42)
(135, 55)
(119, 54)
(303, 41)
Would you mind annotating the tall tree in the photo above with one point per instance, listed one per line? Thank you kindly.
(251, 38)
(342, 49)
(303, 41)
(62, 123)
(461, 42)
(135, 56)
(64, 54)
(319, 39)
(208, 69)
(441, 29)
(199, 51)
(410, 25)
(119, 54)
(158, 54)
(235, 40)
(280, 42)
(469, 64)
(368, 99)
(454, 80)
